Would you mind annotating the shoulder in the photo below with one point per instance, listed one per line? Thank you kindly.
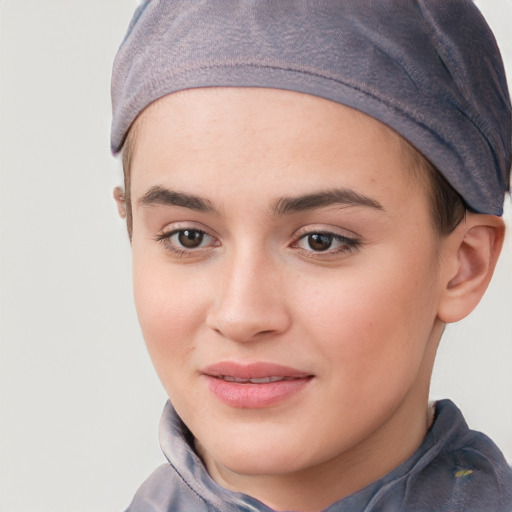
(467, 473)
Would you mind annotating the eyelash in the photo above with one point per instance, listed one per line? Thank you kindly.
(347, 244)
(166, 240)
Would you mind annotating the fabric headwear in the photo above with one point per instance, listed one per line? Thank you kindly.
(429, 69)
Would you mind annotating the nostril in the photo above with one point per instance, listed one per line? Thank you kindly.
(248, 307)
(261, 333)
(246, 330)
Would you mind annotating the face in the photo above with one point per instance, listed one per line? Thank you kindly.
(286, 278)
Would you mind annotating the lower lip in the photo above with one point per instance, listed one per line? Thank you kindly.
(253, 396)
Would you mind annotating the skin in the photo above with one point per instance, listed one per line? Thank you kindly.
(364, 317)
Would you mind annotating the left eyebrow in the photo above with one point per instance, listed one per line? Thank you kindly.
(340, 196)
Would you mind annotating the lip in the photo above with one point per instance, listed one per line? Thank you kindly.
(239, 392)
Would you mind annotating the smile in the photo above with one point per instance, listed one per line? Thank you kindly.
(256, 385)
(262, 380)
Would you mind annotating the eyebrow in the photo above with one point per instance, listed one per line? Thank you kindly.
(159, 195)
(340, 196)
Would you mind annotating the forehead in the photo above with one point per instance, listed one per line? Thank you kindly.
(262, 104)
(194, 113)
(259, 134)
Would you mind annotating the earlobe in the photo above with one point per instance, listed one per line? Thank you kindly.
(120, 199)
(471, 255)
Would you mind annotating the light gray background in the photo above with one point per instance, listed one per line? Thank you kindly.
(79, 400)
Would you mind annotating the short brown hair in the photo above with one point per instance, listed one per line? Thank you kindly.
(447, 206)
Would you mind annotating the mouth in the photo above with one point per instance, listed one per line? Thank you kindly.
(262, 380)
(256, 385)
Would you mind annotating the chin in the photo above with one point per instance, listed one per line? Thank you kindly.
(253, 462)
(258, 453)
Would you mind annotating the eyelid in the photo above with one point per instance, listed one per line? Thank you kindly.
(173, 227)
(348, 240)
(327, 229)
(165, 235)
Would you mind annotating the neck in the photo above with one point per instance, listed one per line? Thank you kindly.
(315, 488)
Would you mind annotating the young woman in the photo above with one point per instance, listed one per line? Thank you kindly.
(312, 192)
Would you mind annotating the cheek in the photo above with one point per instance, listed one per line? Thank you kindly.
(372, 323)
(170, 307)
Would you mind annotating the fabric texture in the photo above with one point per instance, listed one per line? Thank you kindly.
(454, 470)
(430, 69)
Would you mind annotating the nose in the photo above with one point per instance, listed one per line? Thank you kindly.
(249, 302)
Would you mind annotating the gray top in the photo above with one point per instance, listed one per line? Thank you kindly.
(454, 470)
(430, 69)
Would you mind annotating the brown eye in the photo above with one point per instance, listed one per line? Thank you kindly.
(190, 238)
(326, 244)
(187, 242)
(320, 241)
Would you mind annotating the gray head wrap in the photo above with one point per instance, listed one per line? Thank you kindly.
(430, 69)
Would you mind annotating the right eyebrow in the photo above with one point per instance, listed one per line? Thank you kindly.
(159, 195)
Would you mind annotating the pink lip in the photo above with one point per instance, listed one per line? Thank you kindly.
(251, 395)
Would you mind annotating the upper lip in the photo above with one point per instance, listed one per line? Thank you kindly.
(257, 370)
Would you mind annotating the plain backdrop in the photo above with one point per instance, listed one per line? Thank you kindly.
(80, 403)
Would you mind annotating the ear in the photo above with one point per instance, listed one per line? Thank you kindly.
(120, 199)
(469, 257)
